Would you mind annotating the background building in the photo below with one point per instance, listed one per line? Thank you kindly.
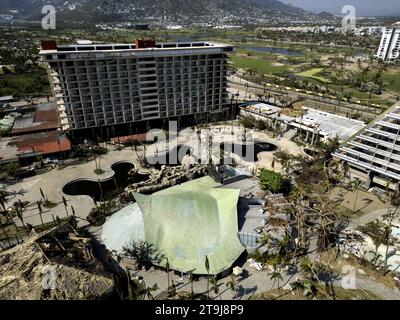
(390, 43)
(103, 85)
(373, 154)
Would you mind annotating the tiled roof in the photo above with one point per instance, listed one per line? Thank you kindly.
(43, 142)
(141, 137)
(44, 118)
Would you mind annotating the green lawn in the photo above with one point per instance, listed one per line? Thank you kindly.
(313, 73)
(25, 84)
(259, 65)
(392, 81)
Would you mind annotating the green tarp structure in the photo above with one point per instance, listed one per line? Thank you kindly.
(187, 222)
(8, 121)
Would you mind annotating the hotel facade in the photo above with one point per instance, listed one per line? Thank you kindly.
(389, 48)
(373, 154)
(101, 85)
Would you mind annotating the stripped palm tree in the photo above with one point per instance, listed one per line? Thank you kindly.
(20, 215)
(232, 282)
(101, 190)
(42, 194)
(207, 265)
(65, 205)
(276, 276)
(191, 279)
(40, 212)
(214, 285)
(356, 187)
(167, 266)
(173, 289)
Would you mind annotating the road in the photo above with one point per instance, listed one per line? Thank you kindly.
(238, 84)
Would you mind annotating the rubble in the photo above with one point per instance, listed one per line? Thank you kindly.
(168, 177)
(73, 271)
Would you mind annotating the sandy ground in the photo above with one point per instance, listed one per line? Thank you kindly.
(251, 282)
(360, 201)
(52, 182)
(224, 133)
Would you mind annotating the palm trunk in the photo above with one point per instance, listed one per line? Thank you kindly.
(66, 211)
(95, 162)
(101, 191)
(116, 185)
(208, 285)
(41, 218)
(355, 202)
(168, 281)
(6, 235)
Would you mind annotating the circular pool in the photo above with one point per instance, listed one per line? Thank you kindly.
(248, 151)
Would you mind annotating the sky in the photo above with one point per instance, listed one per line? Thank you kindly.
(363, 7)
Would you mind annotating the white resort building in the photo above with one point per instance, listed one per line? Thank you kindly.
(389, 48)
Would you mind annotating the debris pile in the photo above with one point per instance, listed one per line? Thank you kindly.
(168, 177)
(55, 265)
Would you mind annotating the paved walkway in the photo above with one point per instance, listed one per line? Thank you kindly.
(369, 217)
(52, 182)
(252, 282)
(224, 134)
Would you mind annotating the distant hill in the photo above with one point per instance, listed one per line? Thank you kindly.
(156, 10)
(326, 15)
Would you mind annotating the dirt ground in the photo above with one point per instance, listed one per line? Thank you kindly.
(358, 202)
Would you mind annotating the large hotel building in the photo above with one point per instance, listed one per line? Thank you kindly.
(389, 48)
(101, 85)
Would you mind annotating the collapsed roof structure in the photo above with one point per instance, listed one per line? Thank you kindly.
(78, 274)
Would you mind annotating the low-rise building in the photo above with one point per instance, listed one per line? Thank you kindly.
(373, 154)
(5, 99)
(313, 125)
(26, 148)
(44, 118)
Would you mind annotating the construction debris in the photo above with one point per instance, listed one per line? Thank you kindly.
(54, 265)
(168, 177)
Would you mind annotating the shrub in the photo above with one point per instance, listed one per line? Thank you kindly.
(261, 125)
(273, 181)
(11, 168)
(248, 122)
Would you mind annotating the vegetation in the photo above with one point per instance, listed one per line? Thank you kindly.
(10, 168)
(25, 84)
(328, 147)
(314, 74)
(273, 181)
(298, 294)
(257, 65)
(98, 215)
(142, 253)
